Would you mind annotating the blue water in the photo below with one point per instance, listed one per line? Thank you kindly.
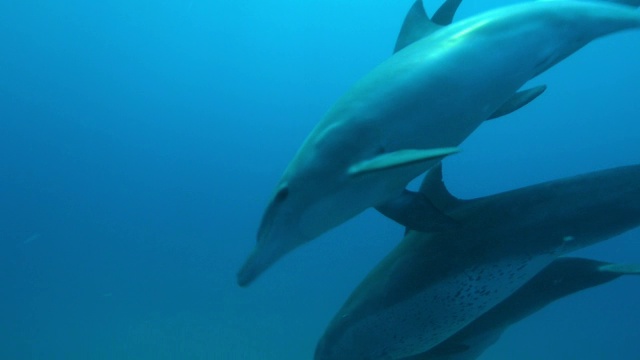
(140, 141)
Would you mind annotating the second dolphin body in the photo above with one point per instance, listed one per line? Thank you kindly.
(433, 284)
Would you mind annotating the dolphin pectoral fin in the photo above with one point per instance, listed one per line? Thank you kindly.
(399, 158)
(416, 25)
(446, 11)
(623, 269)
(518, 100)
(414, 211)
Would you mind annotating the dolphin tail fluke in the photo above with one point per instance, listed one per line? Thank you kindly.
(518, 100)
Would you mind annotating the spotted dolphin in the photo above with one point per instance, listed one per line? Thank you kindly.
(565, 276)
(414, 109)
(433, 284)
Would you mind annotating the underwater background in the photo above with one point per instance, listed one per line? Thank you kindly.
(140, 141)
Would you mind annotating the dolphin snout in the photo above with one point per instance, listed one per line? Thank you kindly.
(265, 254)
(246, 275)
(251, 269)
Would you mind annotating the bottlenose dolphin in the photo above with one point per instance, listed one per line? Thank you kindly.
(565, 276)
(433, 284)
(415, 109)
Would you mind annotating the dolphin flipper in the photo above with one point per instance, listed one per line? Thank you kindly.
(414, 211)
(518, 100)
(399, 158)
(423, 210)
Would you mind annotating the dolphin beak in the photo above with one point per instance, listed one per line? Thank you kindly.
(250, 270)
(258, 262)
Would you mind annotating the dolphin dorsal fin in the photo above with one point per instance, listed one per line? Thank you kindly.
(623, 269)
(435, 190)
(446, 11)
(415, 211)
(416, 25)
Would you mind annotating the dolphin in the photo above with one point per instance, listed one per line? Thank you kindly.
(433, 284)
(563, 277)
(413, 110)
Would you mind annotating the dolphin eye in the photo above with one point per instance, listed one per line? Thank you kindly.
(282, 194)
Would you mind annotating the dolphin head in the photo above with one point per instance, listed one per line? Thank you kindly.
(311, 198)
(320, 189)
(279, 222)
(322, 194)
(288, 222)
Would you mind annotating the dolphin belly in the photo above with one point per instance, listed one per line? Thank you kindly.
(432, 315)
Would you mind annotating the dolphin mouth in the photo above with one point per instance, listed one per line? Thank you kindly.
(249, 271)
(245, 278)
(260, 259)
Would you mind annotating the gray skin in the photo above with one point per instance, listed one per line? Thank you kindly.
(414, 109)
(565, 276)
(434, 284)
